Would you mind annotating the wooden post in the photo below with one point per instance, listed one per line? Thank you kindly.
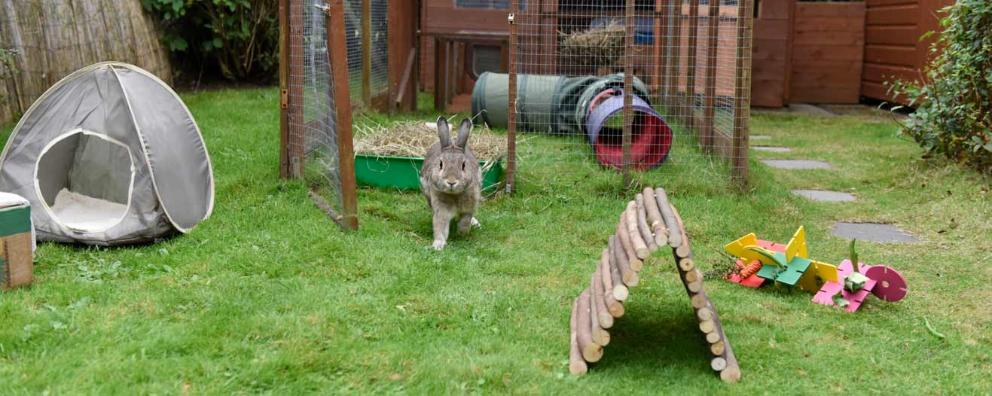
(366, 17)
(742, 93)
(402, 53)
(284, 89)
(665, 7)
(295, 73)
(439, 71)
(709, 98)
(628, 92)
(338, 52)
(690, 86)
(677, 62)
(511, 114)
(657, 78)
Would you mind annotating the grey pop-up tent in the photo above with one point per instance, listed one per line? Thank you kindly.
(109, 155)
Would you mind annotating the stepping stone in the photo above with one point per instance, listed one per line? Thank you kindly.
(824, 196)
(797, 164)
(771, 149)
(874, 232)
(760, 137)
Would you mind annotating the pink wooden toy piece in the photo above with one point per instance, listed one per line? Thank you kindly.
(891, 285)
(826, 294)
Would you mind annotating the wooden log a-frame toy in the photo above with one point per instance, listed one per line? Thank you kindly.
(16, 242)
(649, 223)
(760, 262)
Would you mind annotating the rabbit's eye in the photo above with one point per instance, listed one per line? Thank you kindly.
(441, 163)
(463, 165)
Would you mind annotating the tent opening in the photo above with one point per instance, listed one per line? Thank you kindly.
(85, 178)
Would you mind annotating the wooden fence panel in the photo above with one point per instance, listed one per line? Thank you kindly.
(54, 38)
(772, 52)
(828, 52)
(893, 49)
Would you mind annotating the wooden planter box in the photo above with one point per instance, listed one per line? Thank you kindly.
(16, 242)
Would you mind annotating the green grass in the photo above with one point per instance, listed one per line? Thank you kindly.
(269, 296)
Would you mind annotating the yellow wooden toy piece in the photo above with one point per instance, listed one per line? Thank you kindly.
(743, 248)
(797, 245)
(816, 275)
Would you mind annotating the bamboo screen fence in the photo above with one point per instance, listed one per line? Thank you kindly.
(42, 41)
(686, 63)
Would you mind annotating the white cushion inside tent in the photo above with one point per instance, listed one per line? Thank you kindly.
(85, 179)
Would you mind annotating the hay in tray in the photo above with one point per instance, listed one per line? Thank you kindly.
(413, 138)
(596, 47)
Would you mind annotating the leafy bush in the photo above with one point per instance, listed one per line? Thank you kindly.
(237, 38)
(954, 107)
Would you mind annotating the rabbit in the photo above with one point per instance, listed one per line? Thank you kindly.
(451, 181)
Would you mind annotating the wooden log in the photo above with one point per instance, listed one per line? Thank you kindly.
(627, 274)
(642, 224)
(674, 237)
(612, 305)
(603, 314)
(620, 291)
(591, 351)
(655, 220)
(695, 287)
(698, 300)
(717, 348)
(707, 326)
(704, 313)
(623, 238)
(718, 364)
(726, 363)
(640, 247)
(683, 250)
(576, 365)
(599, 335)
(692, 276)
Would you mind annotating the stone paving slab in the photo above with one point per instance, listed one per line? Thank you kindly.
(884, 233)
(825, 196)
(771, 149)
(760, 137)
(797, 164)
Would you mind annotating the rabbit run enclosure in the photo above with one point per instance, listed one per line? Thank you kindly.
(660, 84)
(338, 57)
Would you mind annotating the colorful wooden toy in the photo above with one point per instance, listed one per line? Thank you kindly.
(759, 262)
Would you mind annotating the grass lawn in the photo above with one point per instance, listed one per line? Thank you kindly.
(269, 296)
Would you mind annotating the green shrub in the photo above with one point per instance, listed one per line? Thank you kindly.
(239, 39)
(954, 107)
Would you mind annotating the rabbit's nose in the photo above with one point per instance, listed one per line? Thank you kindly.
(451, 183)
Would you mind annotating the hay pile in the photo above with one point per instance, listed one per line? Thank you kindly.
(596, 47)
(412, 139)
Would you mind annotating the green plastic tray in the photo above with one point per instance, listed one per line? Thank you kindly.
(404, 172)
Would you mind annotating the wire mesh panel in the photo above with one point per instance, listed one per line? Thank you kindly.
(651, 86)
(312, 141)
(366, 32)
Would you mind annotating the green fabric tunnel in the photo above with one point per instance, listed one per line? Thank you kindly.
(546, 103)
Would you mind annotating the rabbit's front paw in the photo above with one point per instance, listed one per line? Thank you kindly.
(476, 223)
(438, 245)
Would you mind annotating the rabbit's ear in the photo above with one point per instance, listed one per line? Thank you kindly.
(463, 131)
(443, 132)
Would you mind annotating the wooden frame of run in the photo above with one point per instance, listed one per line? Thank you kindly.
(291, 155)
